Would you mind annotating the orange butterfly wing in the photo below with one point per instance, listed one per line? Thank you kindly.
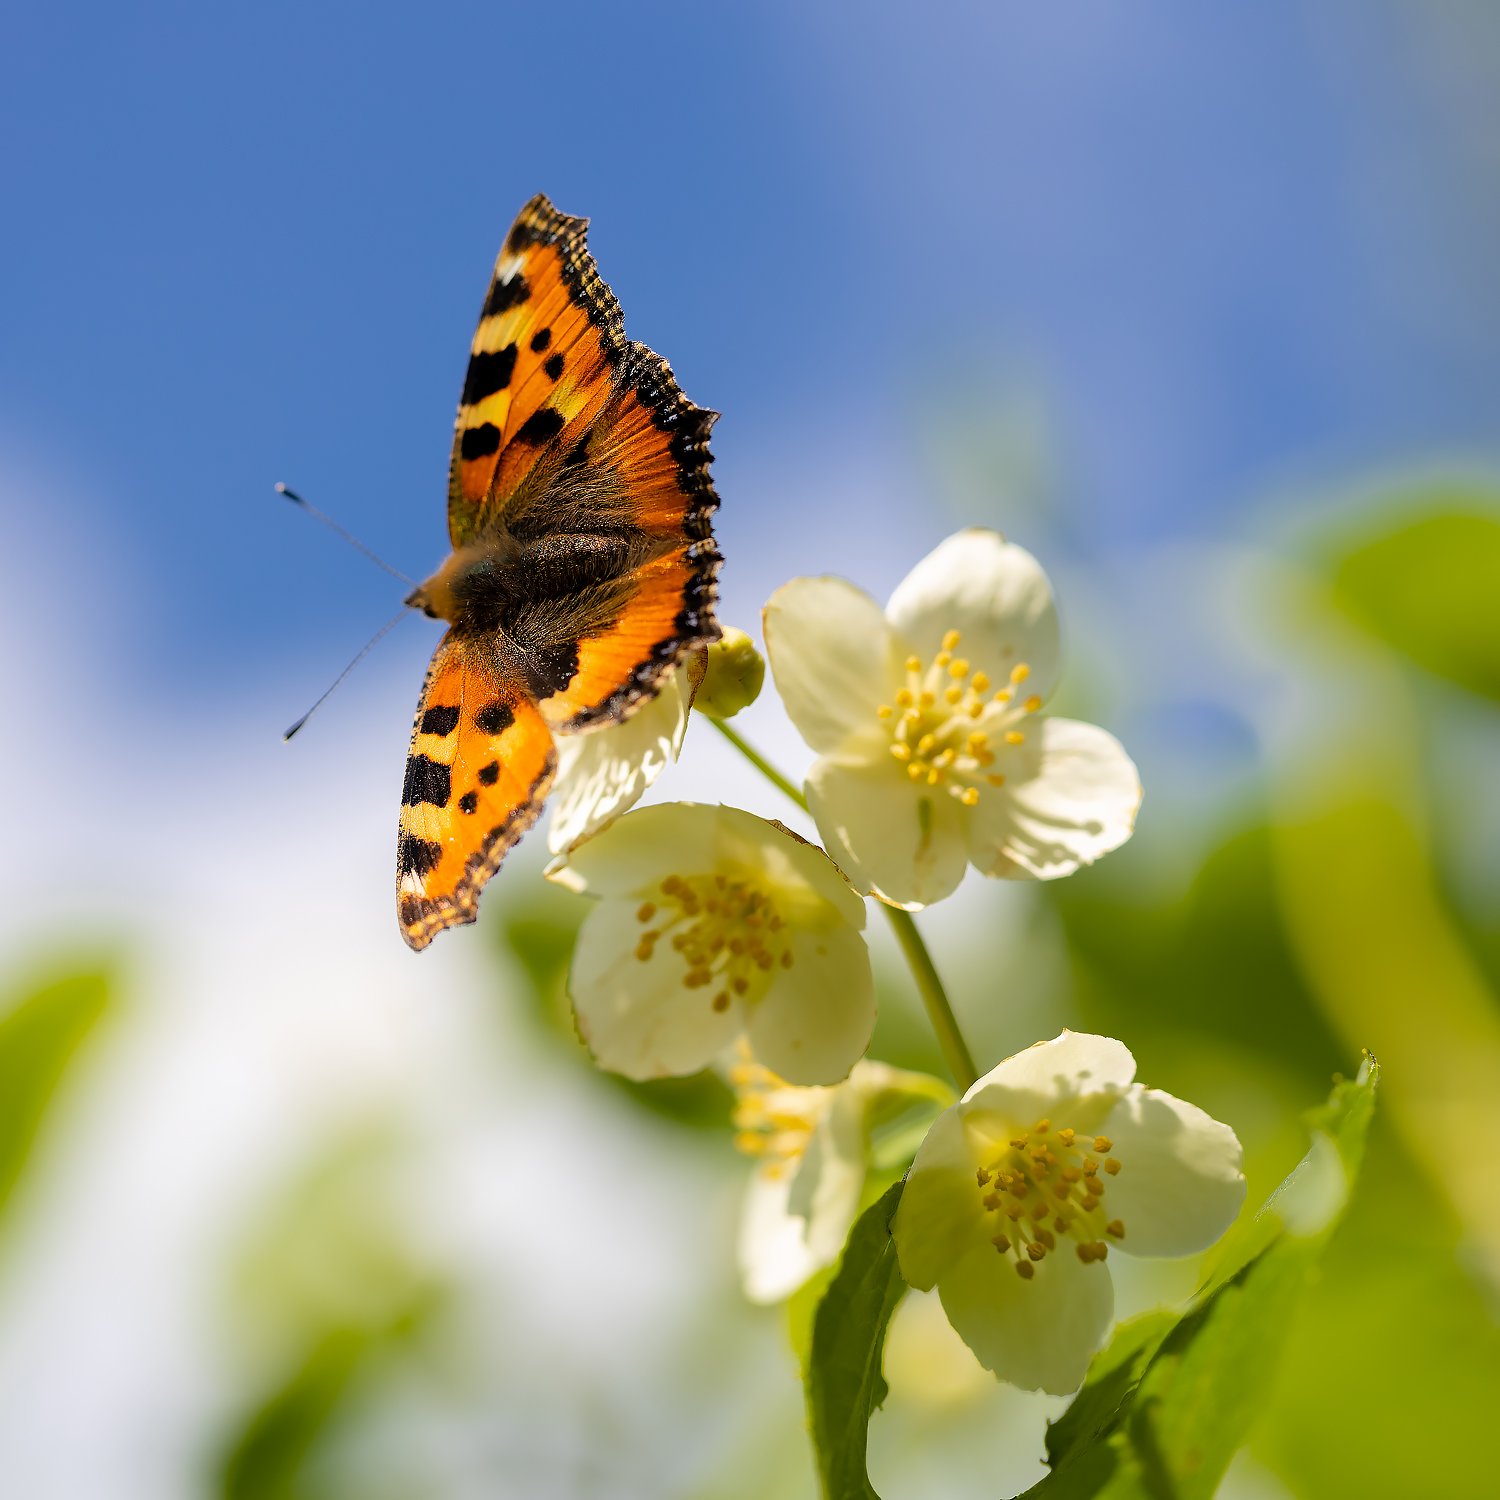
(481, 762)
(579, 479)
(655, 441)
(542, 360)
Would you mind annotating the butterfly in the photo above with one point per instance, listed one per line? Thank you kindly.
(583, 564)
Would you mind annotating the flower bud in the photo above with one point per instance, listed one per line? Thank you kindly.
(733, 677)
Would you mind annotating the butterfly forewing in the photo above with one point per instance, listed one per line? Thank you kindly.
(542, 361)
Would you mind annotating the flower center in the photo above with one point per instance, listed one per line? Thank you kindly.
(728, 932)
(931, 722)
(773, 1119)
(1044, 1184)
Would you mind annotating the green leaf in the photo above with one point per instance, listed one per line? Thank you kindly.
(1113, 1378)
(1168, 1403)
(40, 1035)
(1429, 585)
(268, 1458)
(844, 1383)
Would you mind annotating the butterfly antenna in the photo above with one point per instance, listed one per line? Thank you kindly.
(354, 541)
(364, 651)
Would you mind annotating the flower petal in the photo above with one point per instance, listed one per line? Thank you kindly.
(903, 842)
(937, 1221)
(774, 1254)
(1071, 794)
(671, 838)
(637, 1016)
(833, 658)
(603, 773)
(791, 864)
(1070, 1065)
(1180, 1185)
(814, 1022)
(1039, 1334)
(994, 594)
(796, 1222)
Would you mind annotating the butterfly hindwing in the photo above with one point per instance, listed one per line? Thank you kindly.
(481, 761)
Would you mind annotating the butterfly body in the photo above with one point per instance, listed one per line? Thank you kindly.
(582, 569)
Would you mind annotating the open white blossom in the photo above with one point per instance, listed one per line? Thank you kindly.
(932, 751)
(1022, 1189)
(605, 772)
(811, 1148)
(711, 923)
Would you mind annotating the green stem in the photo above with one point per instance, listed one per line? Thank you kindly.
(761, 764)
(913, 949)
(934, 996)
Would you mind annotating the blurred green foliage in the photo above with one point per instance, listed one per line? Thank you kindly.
(44, 1023)
(1215, 965)
(338, 1298)
(1426, 581)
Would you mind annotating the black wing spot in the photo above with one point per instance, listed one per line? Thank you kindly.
(468, 802)
(416, 856)
(479, 442)
(494, 718)
(549, 669)
(426, 781)
(540, 339)
(554, 365)
(440, 719)
(490, 774)
(541, 426)
(488, 373)
(504, 295)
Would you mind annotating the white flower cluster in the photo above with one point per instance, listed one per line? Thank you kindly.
(721, 937)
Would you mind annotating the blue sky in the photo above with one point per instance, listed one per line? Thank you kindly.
(1223, 249)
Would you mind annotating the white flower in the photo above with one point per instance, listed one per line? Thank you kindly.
(811, 1146)
(932, 754)
(604, 772)
(1021, 1190)
(712, 922)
